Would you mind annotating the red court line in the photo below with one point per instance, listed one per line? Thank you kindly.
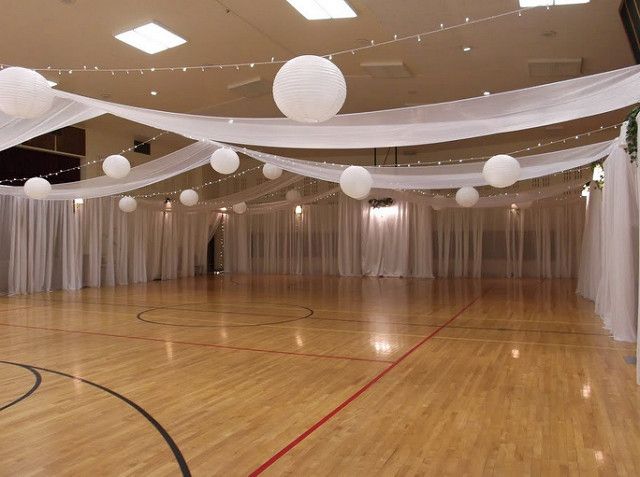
(358, 393)
(206, 345)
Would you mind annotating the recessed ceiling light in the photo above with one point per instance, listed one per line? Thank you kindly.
(486, 93)
(52, 83)
(466, 49)
(323, 9)
(548, 3)
(151, 38)
(154, 93)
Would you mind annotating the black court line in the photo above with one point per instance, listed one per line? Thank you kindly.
(182, 463)
(140, 315)
(36, 384)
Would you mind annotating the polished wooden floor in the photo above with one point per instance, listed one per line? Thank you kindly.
(315, 376)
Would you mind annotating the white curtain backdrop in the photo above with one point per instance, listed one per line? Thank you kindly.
(50, 245)
(617, 299)
(591, 253)
(542, 242)
(351, 238)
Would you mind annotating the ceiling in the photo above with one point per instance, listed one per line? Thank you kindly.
(75, 33)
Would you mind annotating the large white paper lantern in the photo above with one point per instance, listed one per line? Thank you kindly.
(189, 197)
(128, 204)
(271, 172)
(24, 93)
(116, 166)
(501, 171)
(292, 195)
(37, 188)
(356, 182)
(240, 208)
(467, 197)
(225, 160)
(309, 89)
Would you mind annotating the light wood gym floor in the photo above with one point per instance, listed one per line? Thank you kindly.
(315, 376)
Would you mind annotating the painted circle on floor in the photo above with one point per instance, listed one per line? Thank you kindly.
(225, 315)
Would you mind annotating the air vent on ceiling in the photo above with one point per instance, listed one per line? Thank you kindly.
(386, 69)
(250, 88)
(562, 67)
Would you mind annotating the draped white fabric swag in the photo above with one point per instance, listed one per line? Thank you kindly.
(481, 116)
(48, 245)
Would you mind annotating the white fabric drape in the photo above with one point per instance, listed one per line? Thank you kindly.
(591, 253)
(401, 241)
(617, 299)
(283, 242)
(474, 117)
(50, 245)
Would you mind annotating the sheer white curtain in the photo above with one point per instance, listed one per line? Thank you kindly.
(617, 299)
(591, 253)
(353, 239)
(283, 242)
(54, 245)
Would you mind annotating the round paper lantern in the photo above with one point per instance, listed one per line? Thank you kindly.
(24, 93)
(293, 195)
(128, 204)
(116, 166)
(225, 160)
(467, 197)
(189, 197)
(356, 182)
(271, 172)
(240, 208)
(37, 188)
(501, 171)
(309, 89)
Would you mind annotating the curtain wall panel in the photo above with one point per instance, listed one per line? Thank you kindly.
(49, 245)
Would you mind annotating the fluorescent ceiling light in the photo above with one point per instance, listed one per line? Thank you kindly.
(154, 93)
(151, 38)
(52, 83)
(542, 3)
(486, 93)
(466, 49)
(323, 9)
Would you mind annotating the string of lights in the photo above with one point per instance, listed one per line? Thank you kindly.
(539, 145)
(577, 171)
(417, 37)
(83, 165)
(198, 187)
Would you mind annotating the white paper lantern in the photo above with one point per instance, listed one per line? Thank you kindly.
(271, 172)
(128, 204)
(467, 197)
(309, 89)
(292, 195)
(37, 188)
(240, 208)
(225, 161)
(501, 171)
(116, 166)
(356, 182)
(24, 93)
(189, 197)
